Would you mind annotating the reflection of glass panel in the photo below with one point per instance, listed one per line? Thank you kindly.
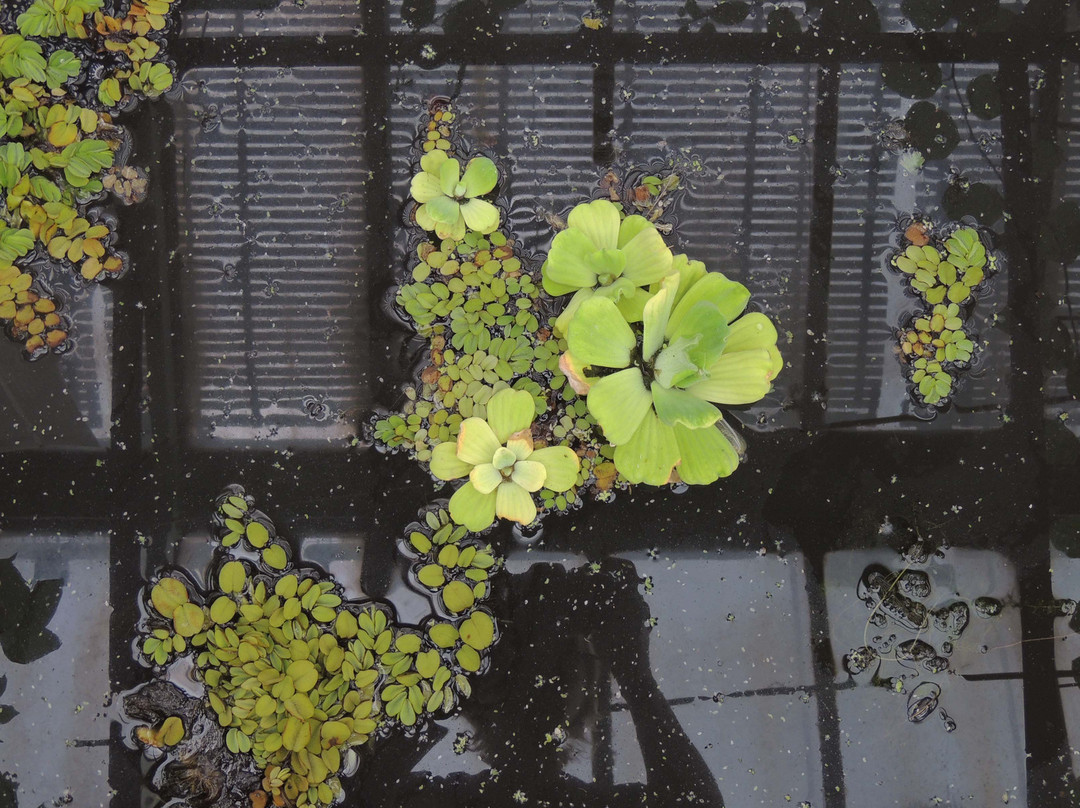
(885, 755)
(1065, 575)
(272, 231)
(746, 210)
(233, 18)
(61, 730)
(866, 301)
(524, 16)
(62, 403)
(727, 627)
(763, 751)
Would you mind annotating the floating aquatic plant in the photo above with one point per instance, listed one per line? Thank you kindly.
(602, 254)
(59, 81)
(947, 268)
(653, 390)
(296, 676)
(450, 201)
(496, 453)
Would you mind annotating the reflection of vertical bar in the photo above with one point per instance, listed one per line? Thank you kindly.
(821, 227)
(603, 760)
(828, 714)
(603, 112)
(1046, 743)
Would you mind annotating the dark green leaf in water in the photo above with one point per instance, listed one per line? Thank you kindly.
(730, 12)
(931, 130)
(7, 712)
(925, 14)
(849, 17)
(911, 80)
(25, 613)
(783, 22)
(972, 14)
(983, 96)
(979, 200)
(692, 10)
(1065, 535)
(418, 13)
(1046, 156)
(1076, 671)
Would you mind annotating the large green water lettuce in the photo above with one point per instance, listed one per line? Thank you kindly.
(599, 254)
(449, 200)
(503, 468)
(654, 388)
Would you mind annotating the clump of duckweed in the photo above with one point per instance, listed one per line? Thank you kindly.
(946, 268)
(296, 675)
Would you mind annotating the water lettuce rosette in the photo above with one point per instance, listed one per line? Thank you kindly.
(599, 254)
(503, 468)
(449, 200)
(654, 389)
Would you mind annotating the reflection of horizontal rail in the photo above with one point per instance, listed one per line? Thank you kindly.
(613, 46)
(777, 690)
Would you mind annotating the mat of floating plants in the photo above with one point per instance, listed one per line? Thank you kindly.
(535, 402)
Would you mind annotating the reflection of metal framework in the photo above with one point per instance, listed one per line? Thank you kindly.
(153, 481)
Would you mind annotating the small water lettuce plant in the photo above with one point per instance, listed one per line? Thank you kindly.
(449, 201)
(297, 676)
(946, 268)
(654, 389)
(504, 469)
(600, 253)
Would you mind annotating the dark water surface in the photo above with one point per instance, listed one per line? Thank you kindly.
(252, 340)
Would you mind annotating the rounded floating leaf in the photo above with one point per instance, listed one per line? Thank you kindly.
(257, 534)
(457, 597)
(172, 731)
(188, 620)
(478, 630)
(231, 578)
(912, 79)
(167, 594)
(468, 658)
(275, 557)
(926, 14)
(222, 610)
(931, 130)
(983, 95)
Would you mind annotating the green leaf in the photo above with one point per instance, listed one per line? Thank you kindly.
(674, 368)
(418, 13)
(476, 442)
(729, 12)
(648, 258)
(598, 221)
(741, 377)
(480, 177)
(472, 509)
(729, 296)
(425, 187)
(485, 478)
(655, 317)
(983, 96)
(567, 266)
(619, 402)
(680, 407)
(782, 22)
(561, 464)
(445, 463)
(529, 474)
(444, 210)
(514, 503)
(449, 177)
(650, 454)
(510, 411)
(706, 455)
(481, 216)
(926, 14)
(598, 334)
